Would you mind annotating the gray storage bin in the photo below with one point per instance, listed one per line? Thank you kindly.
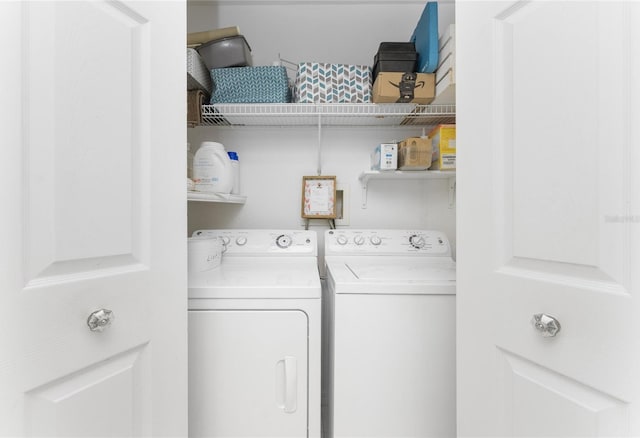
(231, 51)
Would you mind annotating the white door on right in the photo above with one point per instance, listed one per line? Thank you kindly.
(548, 218)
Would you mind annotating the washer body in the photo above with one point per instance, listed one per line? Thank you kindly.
(390, 321)
(254, 337)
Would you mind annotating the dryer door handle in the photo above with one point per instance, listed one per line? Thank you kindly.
(288, 397)
(291, 384)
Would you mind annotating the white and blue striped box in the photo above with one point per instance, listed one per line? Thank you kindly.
(318, 82)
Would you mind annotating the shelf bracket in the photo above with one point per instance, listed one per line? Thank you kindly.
(364, 195)
(452, 191)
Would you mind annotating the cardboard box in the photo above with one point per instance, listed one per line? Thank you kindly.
(414, 153)
(392, 87)
(385, 157)
(443, 143)
(318, 82)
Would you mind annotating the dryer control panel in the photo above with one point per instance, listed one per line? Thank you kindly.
(387, 242)
(265, 242)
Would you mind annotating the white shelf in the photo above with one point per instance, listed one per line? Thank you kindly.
(215, 197)
(367, 176)
(405, 174)
(310, 114)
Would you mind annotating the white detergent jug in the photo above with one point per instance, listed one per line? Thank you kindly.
(212, 171)
(204, 253)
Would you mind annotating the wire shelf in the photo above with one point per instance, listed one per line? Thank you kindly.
(310, 114)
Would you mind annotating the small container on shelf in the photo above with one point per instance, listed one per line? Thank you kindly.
(235, 165)
(198, 76)
(320, 82)
(396, 87)
(261, 84)
(414, 153)
(395, 57)
(233, 51)
(385, 157)
(443, 142)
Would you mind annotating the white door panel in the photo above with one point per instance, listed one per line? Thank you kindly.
(549, 183)
(91, 183)
(540, 402)
(248, 373)
(85, 162)
(115, 410)
(387, 380)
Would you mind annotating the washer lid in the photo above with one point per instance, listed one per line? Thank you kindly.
(392, 275)
(258, 277)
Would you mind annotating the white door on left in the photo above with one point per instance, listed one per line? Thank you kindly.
(92, 104)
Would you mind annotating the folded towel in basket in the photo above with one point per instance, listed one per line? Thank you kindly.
(195, 99)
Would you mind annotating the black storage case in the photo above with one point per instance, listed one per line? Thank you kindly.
(397, 57)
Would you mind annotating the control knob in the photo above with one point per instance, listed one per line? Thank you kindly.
(417, 241)
(342, 240)
(375, 240)
(358, 240)
(283, 241)
(241, 241)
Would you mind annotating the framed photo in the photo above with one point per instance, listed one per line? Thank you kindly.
(319, 197)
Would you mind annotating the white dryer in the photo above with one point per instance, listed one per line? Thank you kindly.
(254, 337)
(391, 324)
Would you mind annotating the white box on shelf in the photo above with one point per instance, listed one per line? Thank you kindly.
(446, 90)
(446, 72)
(385, 157)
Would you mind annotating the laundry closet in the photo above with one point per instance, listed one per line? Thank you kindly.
(540, 214)
(274, 154)
(276, 148)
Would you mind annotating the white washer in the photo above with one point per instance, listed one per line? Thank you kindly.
(390, 319)
(254, 337)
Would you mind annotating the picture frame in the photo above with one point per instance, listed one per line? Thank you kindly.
(318, 197)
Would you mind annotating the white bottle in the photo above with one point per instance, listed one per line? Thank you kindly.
(212, 170)
(235, 165)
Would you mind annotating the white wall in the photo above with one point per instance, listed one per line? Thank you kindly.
(273, 160)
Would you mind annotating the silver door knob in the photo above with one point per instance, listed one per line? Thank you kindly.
(100, 320)
(547, 325)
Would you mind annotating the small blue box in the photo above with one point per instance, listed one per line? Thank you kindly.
(262, 84)
(425, 37)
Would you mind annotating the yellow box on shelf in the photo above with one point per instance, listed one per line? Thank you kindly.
(443, 142)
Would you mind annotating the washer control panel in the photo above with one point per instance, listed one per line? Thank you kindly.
(265, 242)
(400, 242)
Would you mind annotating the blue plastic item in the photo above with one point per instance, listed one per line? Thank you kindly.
(425, 37)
